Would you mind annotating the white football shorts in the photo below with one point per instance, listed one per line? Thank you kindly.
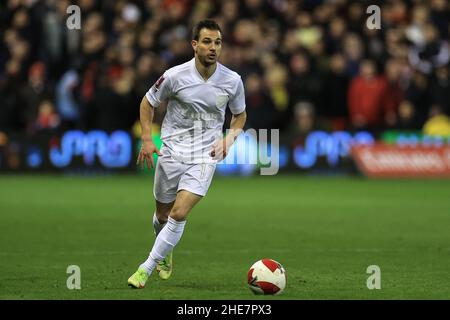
(172, 176)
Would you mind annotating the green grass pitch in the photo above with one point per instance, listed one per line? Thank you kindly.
(325, 231)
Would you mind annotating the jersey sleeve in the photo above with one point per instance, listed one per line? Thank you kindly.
(160, 91)
(237, 102)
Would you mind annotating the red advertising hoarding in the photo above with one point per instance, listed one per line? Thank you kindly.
(382, 160)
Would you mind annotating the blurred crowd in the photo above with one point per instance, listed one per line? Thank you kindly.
(306, 64)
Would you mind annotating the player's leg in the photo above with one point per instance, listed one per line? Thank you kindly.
(165, 266)
(161, 214)
(193, 185)
(184, 203)
(171, 234)
(164, 190)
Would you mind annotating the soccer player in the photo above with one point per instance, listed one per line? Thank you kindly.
(198, 93)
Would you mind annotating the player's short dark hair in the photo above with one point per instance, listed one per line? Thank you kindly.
(207, 24)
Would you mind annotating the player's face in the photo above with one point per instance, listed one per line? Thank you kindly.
(208, 46)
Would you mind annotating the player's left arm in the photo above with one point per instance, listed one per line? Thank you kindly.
(236, 126)
(237, 108)
(221, 147)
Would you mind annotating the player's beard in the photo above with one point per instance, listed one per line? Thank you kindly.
(206, 61)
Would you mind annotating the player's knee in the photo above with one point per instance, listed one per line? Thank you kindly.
(178, 213)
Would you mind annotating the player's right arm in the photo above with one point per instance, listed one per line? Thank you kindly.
(159, 92)
(148, 147)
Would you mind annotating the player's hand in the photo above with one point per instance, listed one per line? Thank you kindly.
(220, 148)
(148, 147)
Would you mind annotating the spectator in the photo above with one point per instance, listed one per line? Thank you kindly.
(429, 53)
(305, 119)
(365, 98)
(393, 93)
(440, 15)
(47, 118)
(304, 84)
(407, 117)
(438, 123)
(276, 81)
(260, 108)
(333, 95)
(418, 94)
(336, 31)
(440, 89)
(354, 52)
(67, 105)
(32, 93)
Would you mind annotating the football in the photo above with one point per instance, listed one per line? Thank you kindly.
(266, 276)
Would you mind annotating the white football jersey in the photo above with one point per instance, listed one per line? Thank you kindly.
(196, 109)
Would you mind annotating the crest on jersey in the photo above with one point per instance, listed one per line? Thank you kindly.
(221, 102)
(158, 82)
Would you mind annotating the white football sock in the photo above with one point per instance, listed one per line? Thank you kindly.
(166, 240)
(157, 226)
